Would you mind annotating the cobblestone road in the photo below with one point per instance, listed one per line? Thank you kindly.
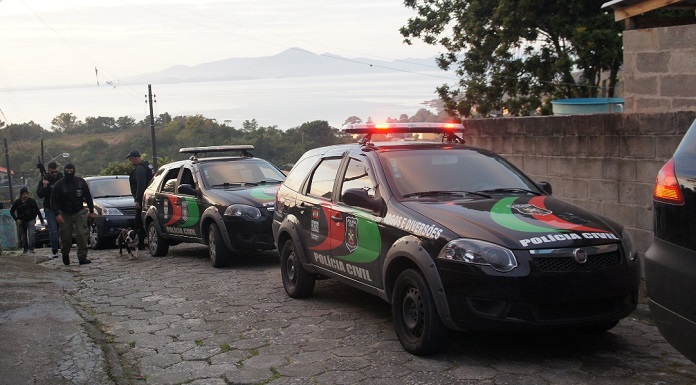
(177, 320)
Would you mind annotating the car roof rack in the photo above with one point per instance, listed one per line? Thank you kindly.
(448, 130)
(242, 148)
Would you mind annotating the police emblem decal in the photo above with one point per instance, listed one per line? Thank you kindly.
(351, 233)
(530, 209)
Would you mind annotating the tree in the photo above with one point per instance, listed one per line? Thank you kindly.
(125, 122)
(65, 122)
(352, 120)
(517, 55)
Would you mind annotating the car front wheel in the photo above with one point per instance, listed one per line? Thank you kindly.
(157, 245)
(298, 283)
(94, 240)
(416, 320)
(219, 256)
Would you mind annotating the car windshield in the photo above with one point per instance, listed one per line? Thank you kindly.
(104, 188)
(252, 172)
(453, 172)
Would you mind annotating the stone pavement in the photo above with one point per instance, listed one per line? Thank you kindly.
(177, 320)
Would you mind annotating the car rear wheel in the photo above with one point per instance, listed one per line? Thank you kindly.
(219, 255)
(416, 320)
(94, 240)
(157, 245)
(298, 283)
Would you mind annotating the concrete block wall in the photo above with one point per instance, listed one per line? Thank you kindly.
(659, 72)
(606, 163)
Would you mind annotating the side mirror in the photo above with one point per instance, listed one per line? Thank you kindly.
(358, 197)
(187, 189)
(545, 187)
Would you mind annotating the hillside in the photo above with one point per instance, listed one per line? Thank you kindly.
(294, 62)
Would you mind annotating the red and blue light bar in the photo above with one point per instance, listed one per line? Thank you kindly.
(403, 128)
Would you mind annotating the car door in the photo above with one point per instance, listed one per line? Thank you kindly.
(356, 241)
(167, 204)
(314, 209)
(190, 205)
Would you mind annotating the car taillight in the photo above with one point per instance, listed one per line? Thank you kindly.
(667, 188)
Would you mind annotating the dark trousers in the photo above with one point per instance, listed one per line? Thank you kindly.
(139, 227)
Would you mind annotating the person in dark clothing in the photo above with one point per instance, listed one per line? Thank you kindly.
(44, 191)
(24, 211)
(68, 198)
(139, 178)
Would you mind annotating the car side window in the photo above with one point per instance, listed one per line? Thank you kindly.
(300, 171)
(322, 181)
(187, 178)
(356, 177)
(169, 186)
(170, 176)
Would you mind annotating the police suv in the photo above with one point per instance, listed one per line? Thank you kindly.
(225, 202)
(452, 236)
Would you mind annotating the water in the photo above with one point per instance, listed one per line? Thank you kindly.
(286, 103)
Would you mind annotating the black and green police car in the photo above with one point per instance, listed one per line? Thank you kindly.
(225, 202)
(452, 236)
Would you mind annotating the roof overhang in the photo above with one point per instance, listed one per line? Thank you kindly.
(629, 10)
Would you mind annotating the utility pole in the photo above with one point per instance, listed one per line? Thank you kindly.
(152, 127)
(9, 175)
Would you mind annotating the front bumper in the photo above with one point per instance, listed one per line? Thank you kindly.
(109, 226)
(250, 235)
(539, 294)
(670, 278)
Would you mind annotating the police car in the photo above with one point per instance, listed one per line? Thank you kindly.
(225, 202)
(452, 236)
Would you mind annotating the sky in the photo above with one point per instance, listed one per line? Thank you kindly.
(46, 43)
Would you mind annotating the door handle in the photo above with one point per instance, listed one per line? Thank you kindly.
(337, 218)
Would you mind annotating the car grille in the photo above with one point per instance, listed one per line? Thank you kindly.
(128, 210)
(561, 260)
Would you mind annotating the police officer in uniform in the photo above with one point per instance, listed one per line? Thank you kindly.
(69, 194)
(139, 178)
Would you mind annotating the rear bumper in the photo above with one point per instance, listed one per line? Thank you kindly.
(670, 277)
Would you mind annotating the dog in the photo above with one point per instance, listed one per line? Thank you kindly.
(128, 238)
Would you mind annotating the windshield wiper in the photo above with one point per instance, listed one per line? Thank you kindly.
(227, 184)
(445, 192)
(112, 196)
(269, 181)
(510, 190)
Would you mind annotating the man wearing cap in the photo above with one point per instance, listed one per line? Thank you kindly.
(139, 178)
(68, 198)
(24, 211)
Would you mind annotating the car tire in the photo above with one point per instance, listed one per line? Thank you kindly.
(416, 320)
(157, 245)
(219, 255)
(94, 241)
(298, 283)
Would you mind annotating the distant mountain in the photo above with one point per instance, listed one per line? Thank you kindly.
(294, 62)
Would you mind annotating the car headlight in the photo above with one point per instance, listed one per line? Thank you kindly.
(477, 252)
(111, 211)
(629, 249)
(238, 210)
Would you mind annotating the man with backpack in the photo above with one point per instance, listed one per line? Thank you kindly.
(139, 178)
